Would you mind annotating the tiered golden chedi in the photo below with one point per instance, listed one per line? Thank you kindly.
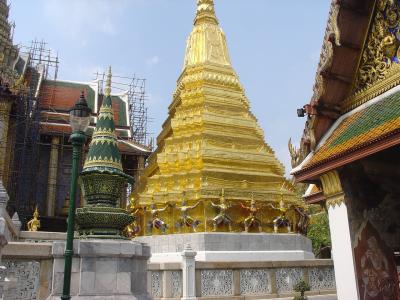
(210, 144)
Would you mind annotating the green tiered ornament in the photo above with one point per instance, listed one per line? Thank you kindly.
(103, 180)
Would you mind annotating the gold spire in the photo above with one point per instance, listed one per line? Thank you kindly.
(205, 12)
(107, 90)
(206, 44)
(210, 146)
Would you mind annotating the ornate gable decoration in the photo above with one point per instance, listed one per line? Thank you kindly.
(380, 61)
(331, 39)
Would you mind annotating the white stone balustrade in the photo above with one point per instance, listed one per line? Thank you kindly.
(231, 279)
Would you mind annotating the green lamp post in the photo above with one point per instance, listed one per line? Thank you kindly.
(79, 121)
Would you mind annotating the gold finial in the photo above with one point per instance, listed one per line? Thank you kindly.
(34, 223)
(205, 11)
(107, 90)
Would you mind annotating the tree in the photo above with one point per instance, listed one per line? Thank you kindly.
(318, 233)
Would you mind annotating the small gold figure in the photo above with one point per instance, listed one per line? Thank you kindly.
(282, 220)
(252, 219)
(222, 217)
(156, 221)
(134, 228)
(34, 224)
(185, 219)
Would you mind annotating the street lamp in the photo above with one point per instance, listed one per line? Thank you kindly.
(79, 120)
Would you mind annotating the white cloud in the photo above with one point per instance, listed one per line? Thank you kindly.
(77, 18)
(153, 61)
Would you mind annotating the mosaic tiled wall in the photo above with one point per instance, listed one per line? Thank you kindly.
(255, 282)
(156, 285)
(216, 282)
(176, 289)
(287, 278)
(27, 275)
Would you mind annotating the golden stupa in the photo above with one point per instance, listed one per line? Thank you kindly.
(211, 150)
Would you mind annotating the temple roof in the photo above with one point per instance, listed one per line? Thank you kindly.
(359, 63)
(58, 96)
(347, 26)
(369, 124)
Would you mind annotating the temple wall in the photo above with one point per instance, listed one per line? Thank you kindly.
(372, 193)
(29, 263)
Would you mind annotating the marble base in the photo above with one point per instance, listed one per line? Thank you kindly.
(103, 269)
(230, 247)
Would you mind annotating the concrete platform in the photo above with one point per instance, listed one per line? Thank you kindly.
(230, 247)
(103, 269)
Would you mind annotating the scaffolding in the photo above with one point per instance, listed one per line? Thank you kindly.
(38, 63)
(40, 56)
(135, 89)
(29, 163)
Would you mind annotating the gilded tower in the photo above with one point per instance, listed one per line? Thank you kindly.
(211, 146)
(8, 52)
(8, 81)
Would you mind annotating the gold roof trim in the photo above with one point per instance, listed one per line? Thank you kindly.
(102, 162)
(391, 80)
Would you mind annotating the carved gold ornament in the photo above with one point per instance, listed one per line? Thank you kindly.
(332, 188)
(379, 65)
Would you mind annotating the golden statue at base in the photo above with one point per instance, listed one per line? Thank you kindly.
(132, 229)
(34, 224)
(156, 221)
(222, 217)
(252, 219)
(185, 219)
(282, 220)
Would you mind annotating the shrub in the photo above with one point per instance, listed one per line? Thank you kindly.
(318, 232)
(301, 287)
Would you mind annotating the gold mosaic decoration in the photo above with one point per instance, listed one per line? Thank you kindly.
(379, 66)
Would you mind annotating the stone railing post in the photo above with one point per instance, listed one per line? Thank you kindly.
(188, 273)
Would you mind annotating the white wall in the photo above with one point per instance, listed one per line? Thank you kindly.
(342, 253)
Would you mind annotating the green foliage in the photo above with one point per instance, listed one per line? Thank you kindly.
(301, 287)
(318, 231)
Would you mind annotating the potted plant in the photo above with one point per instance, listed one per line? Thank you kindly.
(301, 287)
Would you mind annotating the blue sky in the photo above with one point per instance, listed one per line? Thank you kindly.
(274, 48)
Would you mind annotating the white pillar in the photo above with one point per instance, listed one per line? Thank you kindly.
(188, 273)
(342, 253)
(52, 177)
(342, 249)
